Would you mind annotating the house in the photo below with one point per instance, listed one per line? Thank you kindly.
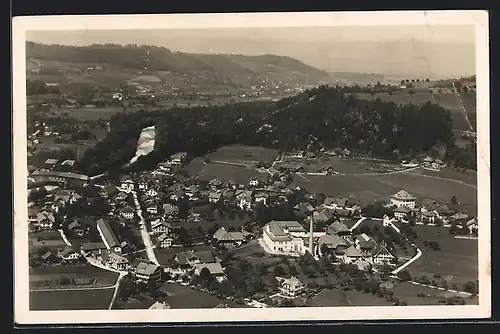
(121, 197)
(165, 240)
(215, 269)
(214, 197)
(244, 199)
(253, 182)
(303, 209)
(68, 254)
(157, 305)
(92, 248)
(323, 216)
(51, 163)
(226, 238)
(77, 228)
(291, 287)
(351, 254)
(428, 161)
(142, 185)
(49, 257)
(444, 212)
(45, 220)
(401, 212)
(343, 213)
(284, 237)
(339, 228)
(261, 197)
(146, 271)
(108, 236)
(187, 260)
(403, 198)
(365, 244)
(336, 202)
(382, 256)
(33, 213)
(109, 191)
(334, 243)
(170, 210)
(459, 218)
(152, 208)
(152, 192)
(429, 205)
(127, 184)
(114, 260)
(178, 158)
(428, 217)
(472, 226)
(177, 195)
(127, 212)
(160, 226)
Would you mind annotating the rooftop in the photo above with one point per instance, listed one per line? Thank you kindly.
(403, 195)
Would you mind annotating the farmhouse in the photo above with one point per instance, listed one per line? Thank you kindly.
(214, 268)
(472, 226)
(114, 260)
(145, 271)
(68, 254)
(382, 256)
(165, 240)
(45, 220)
(403, 198)
(226, 238)
(291, 287)
(160, 226)
(92, 248)
(178, 158)
(108, 236)
(127, 184)
(428, 217)
(338, 228)
(279, 237)
(365, 244)
(401, 212)
(127, 212)
(244, 199)
(351, 254)
(332, 242)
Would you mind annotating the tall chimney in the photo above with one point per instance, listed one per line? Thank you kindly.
(311, 229)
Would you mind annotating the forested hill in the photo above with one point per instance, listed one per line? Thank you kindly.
(324, 117)
(153, 58)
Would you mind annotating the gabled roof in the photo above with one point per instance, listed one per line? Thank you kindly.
(163, 236)
(402, 209)
(352, 252)
(159, 306)
(160, 222)
(108, 234)
(223, 235)
(339, 201)
(403, 195)
(331, 240)
(342, 212)
(215, 268)
(127, 209)
(382, 250)
(337, 226)
(146, 268)
(45, 215)
(473, 221)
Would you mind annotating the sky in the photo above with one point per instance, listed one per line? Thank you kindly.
(436, 51)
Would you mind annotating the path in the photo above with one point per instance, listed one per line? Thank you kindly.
(410, 261)
(146, 238)
(447, 179)
(467, 294)
(117, 288)
(75, 289)
(65, 239)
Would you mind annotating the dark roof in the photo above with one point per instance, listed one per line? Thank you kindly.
(60, 174)
(337, 227)
(93, 246)
(107, 233)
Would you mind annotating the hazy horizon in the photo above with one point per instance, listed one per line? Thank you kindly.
(432, 51)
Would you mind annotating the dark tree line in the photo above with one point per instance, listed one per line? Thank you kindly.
(324, 117)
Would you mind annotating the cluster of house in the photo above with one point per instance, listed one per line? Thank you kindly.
(430, 211)
(191, 261)
(433, 164)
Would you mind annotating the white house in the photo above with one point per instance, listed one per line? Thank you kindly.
(382, 256)
(291, 287)
(152, 208)
(45, 220)
(279, 237)
(68, 254)
(165, 240)
(403, 198)
(127, 212)
(178, 158)
(402, 212)
(160, 226)
(472, 225)
(253, 183)
(351, 255)
(214, 197)
(152, 192)
(244, 199)
(261, 197)
(215, 269)
(127, 184)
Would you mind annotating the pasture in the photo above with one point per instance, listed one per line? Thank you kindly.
(91, 114)
(183, 297)
(79, 275)
(335, 298)
(58, 300)
(414, 294)
(444, 262)
(228, 173)
(448, 101)
(243, 154)
(381, 186)
(51, 240)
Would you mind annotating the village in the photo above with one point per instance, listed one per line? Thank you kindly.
(166, 226)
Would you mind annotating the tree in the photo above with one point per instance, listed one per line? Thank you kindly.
(279, 271)
(292, 270)
(404, 275)
(454, 200)
(206, 276)
(470, 287)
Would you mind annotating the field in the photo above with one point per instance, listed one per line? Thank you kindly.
(45, 239)
(380, 187)
(71, 300)
(456, 262)
(182, 297)
(334, 298)
(227, 173)
(92, 114)
(49, 277)
(243, 154)
(420, 295)
(447, 101)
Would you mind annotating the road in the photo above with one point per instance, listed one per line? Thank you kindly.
(117, 288)
(410, 261)
(146, 237)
